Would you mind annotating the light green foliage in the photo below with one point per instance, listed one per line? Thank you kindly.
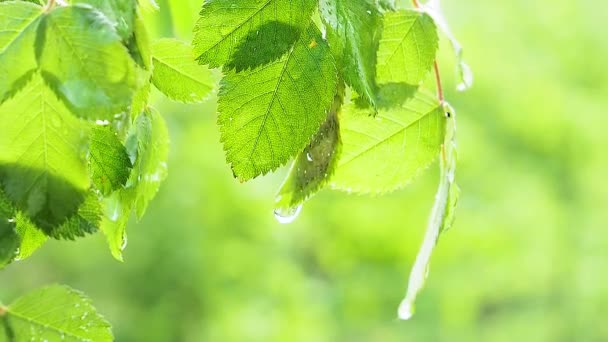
(54, 313)
(109, 163)
(31, 236)
(9, 239)
(177, 75)
(314, 166)
(269, 114)
(392, 148)
(407, 48)
(42, 148)
(18, 24)
(353, 31)
(121, 13)
(82, 57)
(229, 30)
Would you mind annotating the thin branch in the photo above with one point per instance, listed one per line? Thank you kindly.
(440, 96)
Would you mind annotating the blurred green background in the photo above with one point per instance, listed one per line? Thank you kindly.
(526, 260)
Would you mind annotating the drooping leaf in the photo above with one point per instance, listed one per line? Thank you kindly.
(268, 115)
(433, 9)
(55, 313)
(227, 24)
(407, 48)
(82, 57)
(148, 145)
(392, 147)
(177, 75)
(42, 166)
(150, 169)
(18, 24)
(139, 44)
(121, 13)
(442, 215)
(353, 31)
(109, 163)
(313, 168)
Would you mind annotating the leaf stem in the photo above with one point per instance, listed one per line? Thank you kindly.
(49, 5)
(440, 96)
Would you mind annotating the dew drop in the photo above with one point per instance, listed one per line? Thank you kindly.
(309, 157)
(124, 242)
(406, 310)
(102, 122)
(285, 216)
(466, 74)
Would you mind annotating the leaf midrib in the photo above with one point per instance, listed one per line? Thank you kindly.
(400, 130)
(18, 36)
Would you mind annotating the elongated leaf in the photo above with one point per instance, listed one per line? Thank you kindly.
(392, 147)
(18, 24)
(353, 31)
(177, 75)
(83, 59)
(227, 24)
(121, 13)
(268, 115)
(117, 211)
(433, 8)
(313, 168)
(109, 163)
(55, 313)
(42, 167)
(407, 48)
(441, 219)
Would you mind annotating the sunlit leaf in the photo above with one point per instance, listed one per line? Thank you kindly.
(82, 57)
(9, 239)
(55, 313)
(225, 25)
(177, 75)
(392, 148)
(32, 237)
(407, 48)
(121, 13)
(268, 115)
(18, 24)
(42, 150)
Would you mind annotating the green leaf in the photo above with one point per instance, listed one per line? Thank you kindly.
(9, 239)
(121, 13)
(268, 115)
(148, 144)
(384, 153)
(313, 168)
(442, 215)
(407, 48)
(433, 9)
(150, 168)
(18, 24)
(82, 57)
(32, 238)
(353, 31)
(177, 75)
(85, 221)
(139, 44)
(109, 163)
(229, 26)
(55, 313)
(42, 147)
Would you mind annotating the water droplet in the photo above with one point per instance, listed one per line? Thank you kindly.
(406, 310)
(466, 74)
(308, 157)
(102, 122)
(124, 242)
(288, 215)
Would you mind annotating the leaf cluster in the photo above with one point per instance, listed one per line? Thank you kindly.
(80, 148)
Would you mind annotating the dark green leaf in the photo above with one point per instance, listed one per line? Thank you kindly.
(270, 114)
(226, 25)
(109, 163)
(353, 31)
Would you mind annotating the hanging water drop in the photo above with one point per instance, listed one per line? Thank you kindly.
(287, 215)
(466, 76)
(309, 157)
(406, 310)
